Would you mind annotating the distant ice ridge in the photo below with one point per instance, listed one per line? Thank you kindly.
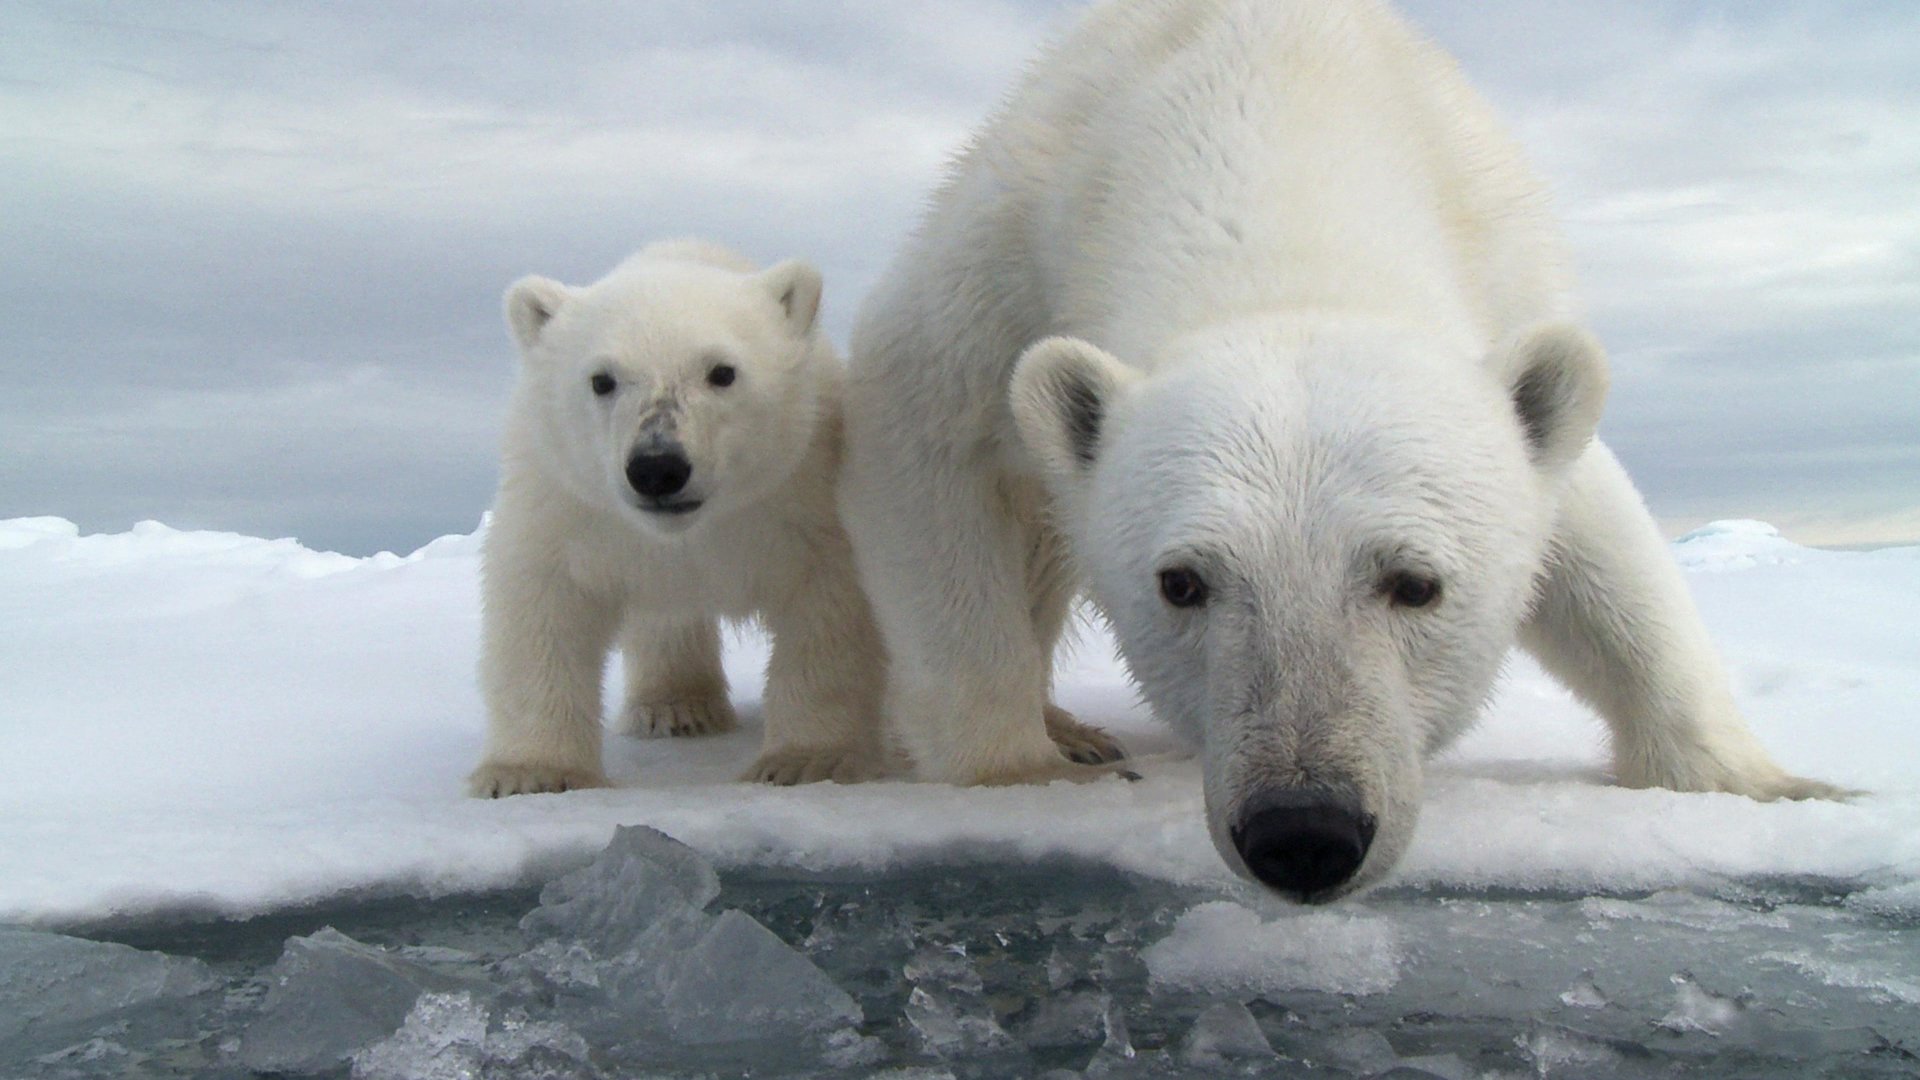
(1734, 545)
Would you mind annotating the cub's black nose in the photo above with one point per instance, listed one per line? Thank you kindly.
(657, 476)
(1303, 843)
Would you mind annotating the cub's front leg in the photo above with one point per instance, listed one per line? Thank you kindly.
(825, 680)
(544, 645)
(675, 684)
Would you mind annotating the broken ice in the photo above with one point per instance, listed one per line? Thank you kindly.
(58, 991)
(657, 961)
(453, 1037)
(642, 877)
(330, 996)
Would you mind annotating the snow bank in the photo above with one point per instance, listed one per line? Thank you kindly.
(222, 724)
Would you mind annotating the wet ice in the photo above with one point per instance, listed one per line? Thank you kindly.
(329, 996)
(57, 991)
(1042, 970)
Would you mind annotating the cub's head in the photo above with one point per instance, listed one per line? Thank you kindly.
(1314, 546)
(683, 385)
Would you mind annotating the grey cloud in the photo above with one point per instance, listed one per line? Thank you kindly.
(254, 252)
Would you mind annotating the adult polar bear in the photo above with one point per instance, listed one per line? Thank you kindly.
(1246, 316)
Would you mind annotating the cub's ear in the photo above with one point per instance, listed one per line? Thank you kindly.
(1063, 392)
(1557, 376)
(532, 302)
(796, 285)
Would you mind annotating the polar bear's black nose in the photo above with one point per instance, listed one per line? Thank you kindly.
(1303, 842)
(657, 475)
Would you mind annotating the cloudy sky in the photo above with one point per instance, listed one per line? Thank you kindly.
(251, 254)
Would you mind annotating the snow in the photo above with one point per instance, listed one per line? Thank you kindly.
(1223, 947)
(204, 723)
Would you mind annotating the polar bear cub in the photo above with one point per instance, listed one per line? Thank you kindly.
(669, 461)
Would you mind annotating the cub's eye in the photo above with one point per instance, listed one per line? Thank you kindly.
(1182, 588)
(602, 383)
(721, 375)
(1412, 591)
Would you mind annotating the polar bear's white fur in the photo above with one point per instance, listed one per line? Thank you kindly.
(1245, 316)
(669, 462)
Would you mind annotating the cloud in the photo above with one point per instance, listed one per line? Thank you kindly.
(255, 251)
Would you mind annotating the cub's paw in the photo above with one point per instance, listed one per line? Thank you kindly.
(1081, 743)
(494, 780)
(787, 766)
(678, 719)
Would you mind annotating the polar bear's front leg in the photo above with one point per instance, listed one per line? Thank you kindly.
(825, 679)
(675, 684)
(1616, 624)
(944, 555)
(544, 644)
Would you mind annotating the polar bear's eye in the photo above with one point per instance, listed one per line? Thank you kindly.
(721, 375)
(1182, 588)
(602, 383)
(1412, 590)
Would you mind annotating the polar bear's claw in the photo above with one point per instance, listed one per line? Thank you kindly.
(1081, 743)
(678, 719)
(497, 780)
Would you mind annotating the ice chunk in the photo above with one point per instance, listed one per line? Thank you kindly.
(1430, 1067)
(954, 1027)
(1696, 1008)
(1585, 994)
(1225, 1032)
(444, 1037)
(450, 1037)
(943, 967)
(1682, 909)
(1071, 1019)
(1879, 982)
(548, 968)
(642, 877)
(1358, 1050)
(56, 991)
(1117, 1056)
(1557, 1051)
(1223, 947)
(740, 980)
(330, 996)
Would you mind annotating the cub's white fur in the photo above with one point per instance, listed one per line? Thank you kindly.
(1290, 318)
(577, 558)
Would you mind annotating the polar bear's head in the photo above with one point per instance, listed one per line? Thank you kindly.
(1314, 546)
(683, 385)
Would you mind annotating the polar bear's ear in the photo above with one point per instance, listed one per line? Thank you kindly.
(796, 285)
(1063, 391)
(532, 302)
(1557, 376)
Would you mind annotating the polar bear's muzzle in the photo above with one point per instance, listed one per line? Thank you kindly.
(1303, 842)
(659, 473)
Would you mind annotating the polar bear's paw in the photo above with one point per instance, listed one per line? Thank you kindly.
(1750, 774)
(789, 765)
(496, 780)
(1773, 785)
(678, 719)
(1057, 769)
(1081, 743)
